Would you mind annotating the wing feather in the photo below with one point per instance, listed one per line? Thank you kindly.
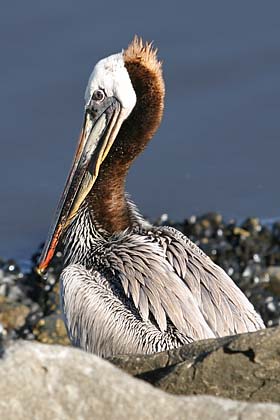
(225, 308)
(155, 287)
(168, 276)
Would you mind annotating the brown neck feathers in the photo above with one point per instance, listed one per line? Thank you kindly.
(107, 198)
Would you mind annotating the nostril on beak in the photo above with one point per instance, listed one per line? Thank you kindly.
(92, 108)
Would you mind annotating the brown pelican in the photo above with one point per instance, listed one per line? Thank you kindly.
(128, 286)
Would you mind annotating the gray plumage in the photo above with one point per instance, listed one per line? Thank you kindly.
(144, 290)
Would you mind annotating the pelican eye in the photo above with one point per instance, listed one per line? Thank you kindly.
(98, 95)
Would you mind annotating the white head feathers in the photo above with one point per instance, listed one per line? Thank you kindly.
(110, 75)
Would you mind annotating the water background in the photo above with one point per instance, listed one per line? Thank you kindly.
(218, 147)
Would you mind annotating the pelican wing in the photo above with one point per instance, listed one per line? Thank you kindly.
(98, 320)
(224, 307)
(156, 290)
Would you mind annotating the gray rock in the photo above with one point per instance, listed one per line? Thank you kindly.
(243, 367)
(274, 275)
(53, 382)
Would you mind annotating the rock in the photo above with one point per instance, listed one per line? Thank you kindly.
(243, 367)
(274, 275)
(53, 382)
(51, 330)
(252, 224)
(12, 314)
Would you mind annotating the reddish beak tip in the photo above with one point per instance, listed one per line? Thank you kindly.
(48, 254)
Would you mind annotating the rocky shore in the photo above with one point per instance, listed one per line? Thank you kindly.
(243, 367)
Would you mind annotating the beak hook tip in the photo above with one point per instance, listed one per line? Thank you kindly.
(40, 271)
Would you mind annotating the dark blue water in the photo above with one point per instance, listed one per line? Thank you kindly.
(219, 145)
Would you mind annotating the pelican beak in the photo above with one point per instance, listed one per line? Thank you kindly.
(100, 128)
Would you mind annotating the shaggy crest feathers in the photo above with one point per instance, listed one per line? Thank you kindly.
(145, 71)
(143, 53)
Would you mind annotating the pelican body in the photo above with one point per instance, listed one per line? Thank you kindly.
(128, 286)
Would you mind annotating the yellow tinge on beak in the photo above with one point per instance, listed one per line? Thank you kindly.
(99, 132)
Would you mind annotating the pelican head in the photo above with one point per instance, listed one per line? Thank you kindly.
(118, 85)
(110, 79)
